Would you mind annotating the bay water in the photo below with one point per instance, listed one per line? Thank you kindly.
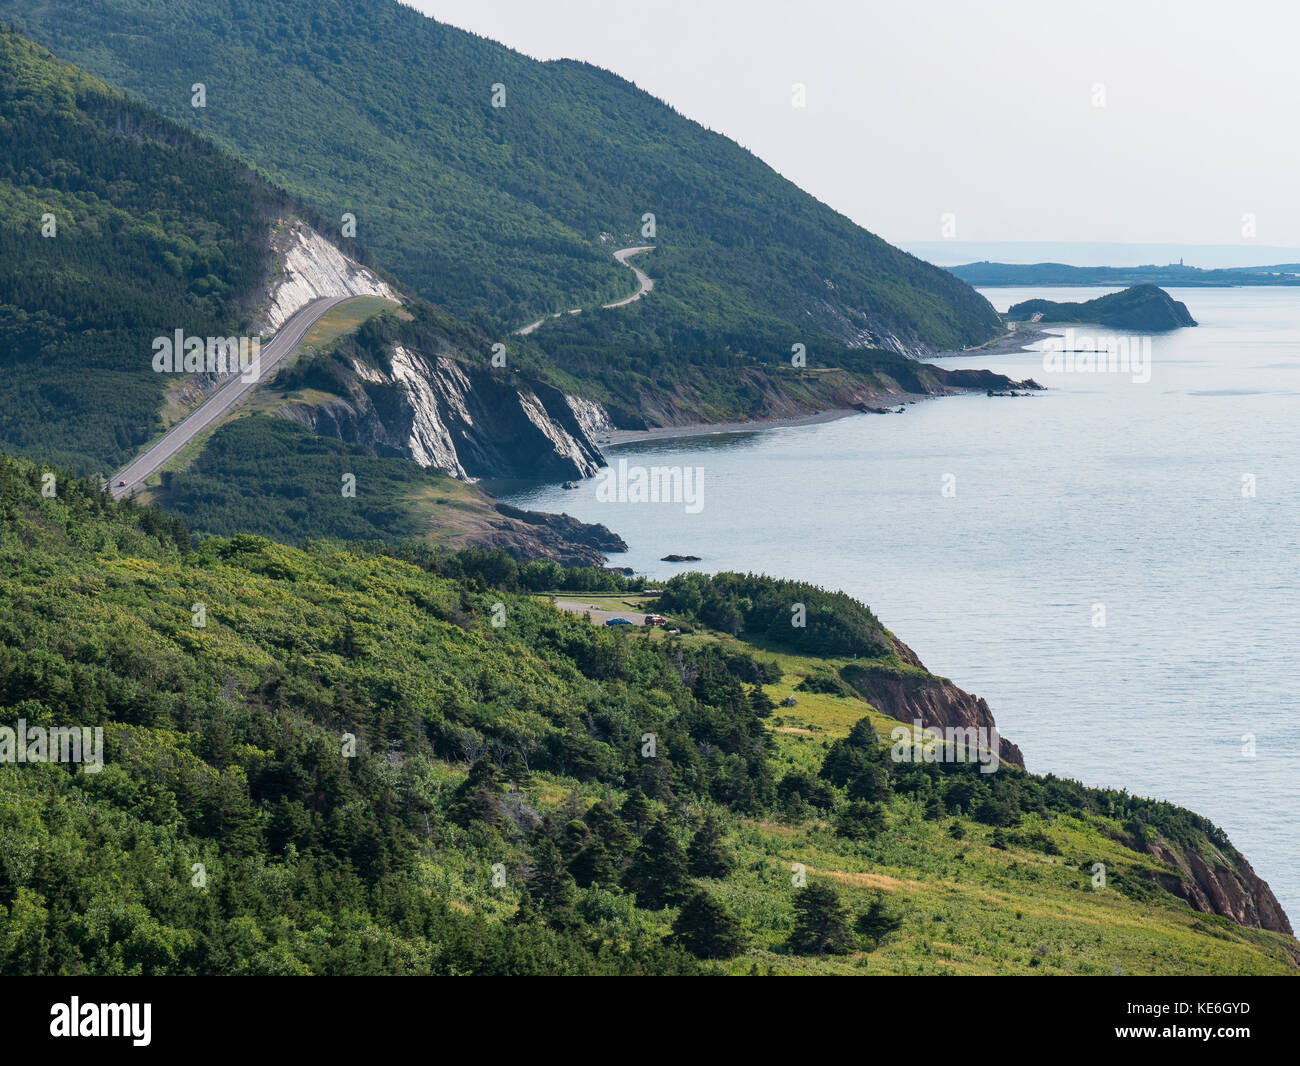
(1111, 563)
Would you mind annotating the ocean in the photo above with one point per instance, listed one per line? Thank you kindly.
(1111, 563)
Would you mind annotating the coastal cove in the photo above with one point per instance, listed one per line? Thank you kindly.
(1170, 504)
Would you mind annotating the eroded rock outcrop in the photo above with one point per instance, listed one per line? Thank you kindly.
(459, 418)
(909, 695)
(534, 534)
(1223, 884)
(309, 267)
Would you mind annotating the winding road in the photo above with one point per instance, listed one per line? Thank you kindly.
(273, 355)
(622, 255)
(647, 282)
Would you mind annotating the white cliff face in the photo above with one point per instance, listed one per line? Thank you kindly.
(313, 268)
(561, 440)
(461, 421)
(591, 416)
(430, 442)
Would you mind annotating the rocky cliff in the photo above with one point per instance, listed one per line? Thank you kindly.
(533, 535)
(413, 399)
(918, 694)
(308, 267)
(455, 416)
(1222, 884)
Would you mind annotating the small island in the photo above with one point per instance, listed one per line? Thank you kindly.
(1141, 307)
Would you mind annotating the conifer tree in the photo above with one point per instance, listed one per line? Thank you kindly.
(550, 886)
(707, 929)
(877, 922)
(706, 855)
(658, 873)
(821, 924)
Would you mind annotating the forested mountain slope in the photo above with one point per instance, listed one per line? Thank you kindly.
(333, 760)
(501, 214)
(116, 226)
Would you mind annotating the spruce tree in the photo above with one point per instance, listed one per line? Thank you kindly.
(706, 855)
(636, 812)
(877, 922)
(933, 807)
(707, 929)
(550, 886)
(860, 820)
(658, 873)
(476, 798)
(821, 924)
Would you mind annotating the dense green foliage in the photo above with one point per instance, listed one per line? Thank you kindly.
(793, 615)
(502, 214)
(154, 230)
(223, 748)
(274, 477)
(541, 795)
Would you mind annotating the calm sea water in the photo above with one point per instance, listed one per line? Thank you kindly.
(1100, 491)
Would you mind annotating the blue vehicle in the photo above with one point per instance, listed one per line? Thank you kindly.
(617, 622)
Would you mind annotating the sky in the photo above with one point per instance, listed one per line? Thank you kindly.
(1157, 121)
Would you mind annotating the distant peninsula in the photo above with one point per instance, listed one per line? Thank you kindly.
(995, 274)
(1141, 307)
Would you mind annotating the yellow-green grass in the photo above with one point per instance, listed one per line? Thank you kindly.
(966, 907)
(453, 511)
(343, 319)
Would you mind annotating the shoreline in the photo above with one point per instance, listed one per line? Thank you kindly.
(617, 437)
(1013, 342)
(1010, 343)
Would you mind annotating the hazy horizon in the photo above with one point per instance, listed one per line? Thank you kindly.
(1101, 253)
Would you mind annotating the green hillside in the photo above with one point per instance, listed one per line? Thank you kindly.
(152, 229)
(503, 214)
(535, 796)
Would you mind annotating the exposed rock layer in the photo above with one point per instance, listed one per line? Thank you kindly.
(459, 418)
(532, 534)
(309, 267)
(935, 701)
(1226, 886)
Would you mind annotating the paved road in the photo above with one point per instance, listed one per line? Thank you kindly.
(647, 282)
(274, 353)
(532, 326)
(622, 255)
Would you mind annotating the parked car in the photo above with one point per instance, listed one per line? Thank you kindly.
(617, 622)
(655, 620)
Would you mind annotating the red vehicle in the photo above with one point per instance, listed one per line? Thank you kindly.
(655, 620)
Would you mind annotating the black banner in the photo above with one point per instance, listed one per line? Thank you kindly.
(337, 1015)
